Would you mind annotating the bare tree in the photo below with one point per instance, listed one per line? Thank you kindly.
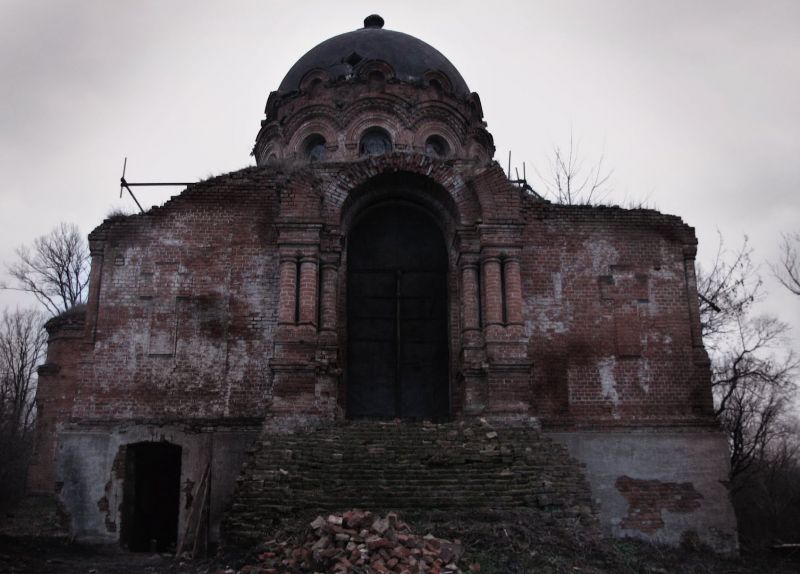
(787, 270)
(727, 292)
(22, 343)
(753, 375)
(571, 180)
(753, 386)
(768, 509)
(55, 270)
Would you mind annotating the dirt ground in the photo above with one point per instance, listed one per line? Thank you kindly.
(506, 553)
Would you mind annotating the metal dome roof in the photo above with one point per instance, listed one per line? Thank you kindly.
(409, 57)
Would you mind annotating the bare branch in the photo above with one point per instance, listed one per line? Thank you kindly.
(22, 343)
(727, 293)
(787, 270)
(753, 375)
(55, 270)
(570, 181)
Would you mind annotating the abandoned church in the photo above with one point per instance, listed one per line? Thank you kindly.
(374, 316)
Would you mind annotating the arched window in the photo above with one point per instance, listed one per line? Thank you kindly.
(437, 146)
(314, 87)
(375, 141)
(437, 86)
(314, 148)
(375, 80)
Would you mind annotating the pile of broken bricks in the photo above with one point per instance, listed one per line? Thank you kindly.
(362, 543)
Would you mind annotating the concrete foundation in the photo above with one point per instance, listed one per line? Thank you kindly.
(658, 485)
(90, 471)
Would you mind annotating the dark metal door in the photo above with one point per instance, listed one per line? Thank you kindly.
(397, 315)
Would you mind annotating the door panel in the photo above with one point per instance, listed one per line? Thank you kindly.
(397, 316)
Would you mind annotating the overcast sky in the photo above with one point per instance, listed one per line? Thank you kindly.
(696, 105)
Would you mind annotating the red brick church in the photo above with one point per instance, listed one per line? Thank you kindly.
(376, 277)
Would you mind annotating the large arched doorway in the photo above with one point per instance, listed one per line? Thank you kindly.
(397, 343)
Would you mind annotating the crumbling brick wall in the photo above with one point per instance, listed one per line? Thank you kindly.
(609, 315)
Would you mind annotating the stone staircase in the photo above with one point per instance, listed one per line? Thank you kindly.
(409, 467)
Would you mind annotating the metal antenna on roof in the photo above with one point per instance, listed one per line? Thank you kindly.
(123, 183)
(521, 182)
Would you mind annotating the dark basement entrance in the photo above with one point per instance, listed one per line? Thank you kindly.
(151, 497)
(397, 344)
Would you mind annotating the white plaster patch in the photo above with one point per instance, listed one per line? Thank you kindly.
(172, 242)
(602, 254)
(546, 316)
(608, 383)
(645, 376)
(557, 286)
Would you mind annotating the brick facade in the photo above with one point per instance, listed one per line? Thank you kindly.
(224, 311)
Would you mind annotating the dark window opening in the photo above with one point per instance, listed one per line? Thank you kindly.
(375, 80)
(437, 146)
(314, 87)
(375, 141)
(151, 497)
(314, 148)
(353, 58)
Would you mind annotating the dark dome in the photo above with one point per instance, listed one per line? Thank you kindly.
(409, 57)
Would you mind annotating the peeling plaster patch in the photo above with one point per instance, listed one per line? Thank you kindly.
(188, 491)
(548, 321)
(173, 242)
(644, 375)
(557, 286)
(547, 316)
(603, 255)
(648, 498)
(104, 507)
(608, 383)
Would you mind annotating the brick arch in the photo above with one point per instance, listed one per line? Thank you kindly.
(385, 102)
(464, 204)
(409, 187)
(318, 125)
(381, 66)
(437, 111)
(319, 114)
(381, 104)
(435, 127)
(432, 76)
(374, 118)
(313, 74)
(268, 143)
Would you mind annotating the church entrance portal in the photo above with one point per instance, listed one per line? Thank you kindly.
(397, 349)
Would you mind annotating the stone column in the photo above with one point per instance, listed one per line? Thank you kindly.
(330, 276)
(308, 290)
(493, 291)
(287, 282)
(703, 400)
(513, 287)
(689, 252)
(96, 250)
(470, 296)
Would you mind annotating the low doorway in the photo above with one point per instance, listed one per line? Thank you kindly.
(151, 497)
